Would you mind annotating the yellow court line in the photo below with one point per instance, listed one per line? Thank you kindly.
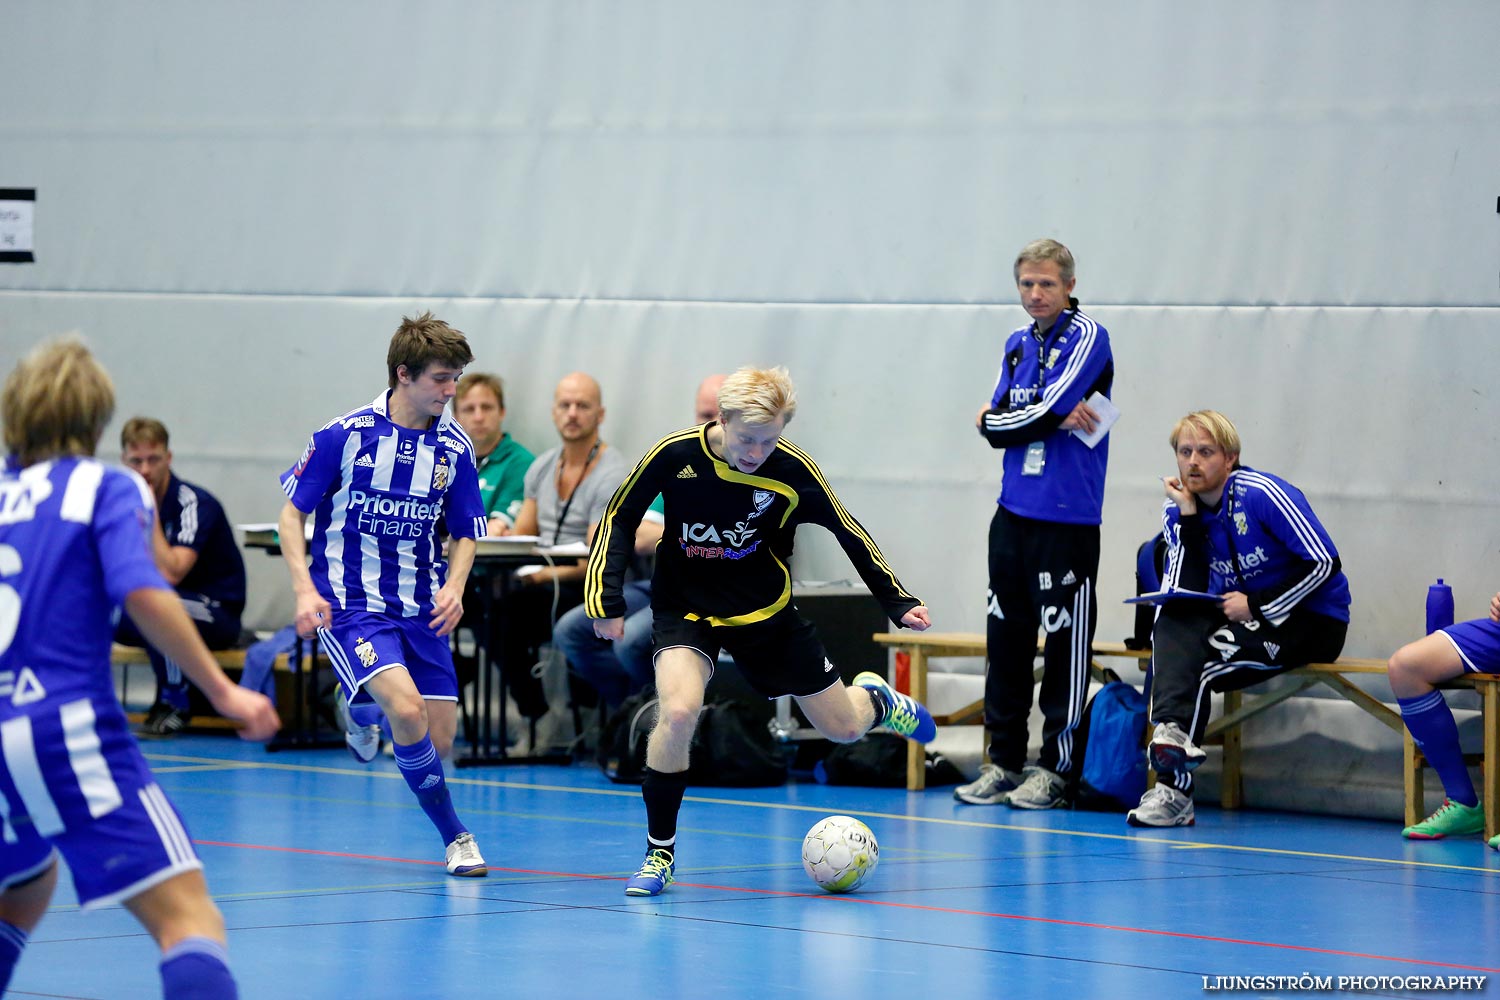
(1130, 838)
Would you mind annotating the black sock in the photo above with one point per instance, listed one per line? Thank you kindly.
(662, 793)
(882, 706)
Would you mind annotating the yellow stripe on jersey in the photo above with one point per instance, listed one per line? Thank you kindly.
(845, 517)
(760, 614)
(774, 485)
(593, 580)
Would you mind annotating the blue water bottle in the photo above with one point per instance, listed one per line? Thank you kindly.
(1439, 606)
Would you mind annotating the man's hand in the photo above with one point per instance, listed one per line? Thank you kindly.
(497, 527)
(612, 629)
(1184, 498)
(979, 417)
(251, 709)
(312, 611)
(1237, 607)
(1083, 418)
(1495, 608)
(917, 619)
(447, 609)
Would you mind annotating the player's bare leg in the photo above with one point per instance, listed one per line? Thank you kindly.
(682, 675)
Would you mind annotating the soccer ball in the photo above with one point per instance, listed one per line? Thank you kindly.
(839, 853)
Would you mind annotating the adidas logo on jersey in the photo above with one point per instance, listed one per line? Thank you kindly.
(687, 473)
(364, 462)
(1070, 578)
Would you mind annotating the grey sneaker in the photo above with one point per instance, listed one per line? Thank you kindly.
(1162, 805)
(1041, 790)
(363, 741)
(991, 788)
(1172, 751)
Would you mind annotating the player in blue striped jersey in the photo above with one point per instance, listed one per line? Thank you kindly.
(75, 545)
(384, 485)
(1253, 538)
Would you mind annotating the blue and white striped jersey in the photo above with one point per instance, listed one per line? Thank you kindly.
(382, 498)
(75, 539)
(1265, 542)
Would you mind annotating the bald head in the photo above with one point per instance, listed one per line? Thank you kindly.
(577, 407)
(706, 407)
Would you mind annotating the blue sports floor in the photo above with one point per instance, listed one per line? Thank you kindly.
(332, 885)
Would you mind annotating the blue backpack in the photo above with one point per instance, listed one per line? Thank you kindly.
(1112, 774)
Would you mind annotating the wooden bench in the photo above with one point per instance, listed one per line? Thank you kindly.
(922, 646)
(1238, 708)
(231, 660)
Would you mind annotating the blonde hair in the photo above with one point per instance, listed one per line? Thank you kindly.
(759, 395)
(1213, 425)
(1038, 251)
(56, 402)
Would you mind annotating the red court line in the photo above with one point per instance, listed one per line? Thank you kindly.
(1180, 935)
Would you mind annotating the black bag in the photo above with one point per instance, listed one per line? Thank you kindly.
(879, 761)
(732, 747)
(622, 741)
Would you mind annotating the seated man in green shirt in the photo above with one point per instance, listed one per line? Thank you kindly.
(502, 462)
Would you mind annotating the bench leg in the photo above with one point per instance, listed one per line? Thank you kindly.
(916, 754)
(1491, 792)
(1232, 794)
(1411, 773)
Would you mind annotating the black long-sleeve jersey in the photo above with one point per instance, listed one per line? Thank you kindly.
(726, 551)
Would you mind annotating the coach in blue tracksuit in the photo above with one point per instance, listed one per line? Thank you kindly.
(1044, 538)
(1252, 538)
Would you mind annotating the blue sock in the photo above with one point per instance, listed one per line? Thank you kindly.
(366, 713)
(1431, 724)
(176, 696)
(423, 771)
(197, 968)
(12, 943)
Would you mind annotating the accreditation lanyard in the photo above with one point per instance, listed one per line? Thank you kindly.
(563, 508)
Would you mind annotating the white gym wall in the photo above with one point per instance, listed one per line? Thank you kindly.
(1284, 210)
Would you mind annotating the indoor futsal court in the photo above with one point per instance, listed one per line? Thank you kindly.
(332, 886)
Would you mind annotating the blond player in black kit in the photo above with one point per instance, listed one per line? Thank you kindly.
(735, 492)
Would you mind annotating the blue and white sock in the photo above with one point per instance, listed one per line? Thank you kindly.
(12, 943)
(197, 968)
(423, 771)
(1430, 721)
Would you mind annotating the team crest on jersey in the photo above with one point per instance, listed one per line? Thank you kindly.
(440, 474)
(762, 499)
(1241, 523)
(365, 652)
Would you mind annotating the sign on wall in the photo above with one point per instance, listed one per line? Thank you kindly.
(17, 210)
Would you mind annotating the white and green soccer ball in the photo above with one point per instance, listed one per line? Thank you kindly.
(839, 853)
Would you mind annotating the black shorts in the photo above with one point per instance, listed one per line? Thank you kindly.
(781, 655)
